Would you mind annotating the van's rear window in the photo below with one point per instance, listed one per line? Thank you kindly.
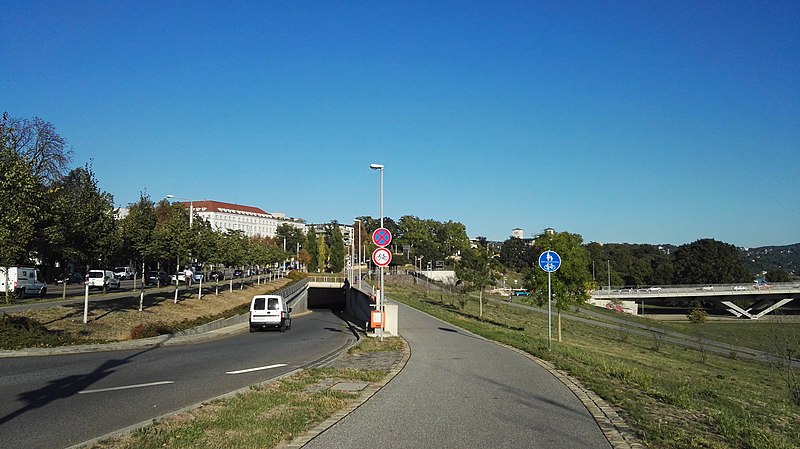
(259, 304)
(273, 303)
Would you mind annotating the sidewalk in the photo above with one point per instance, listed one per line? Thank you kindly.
(454, 389)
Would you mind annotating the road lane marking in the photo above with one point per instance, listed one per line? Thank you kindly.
(250, 370)
(127, 387)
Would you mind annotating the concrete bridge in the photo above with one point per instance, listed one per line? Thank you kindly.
(758, 299)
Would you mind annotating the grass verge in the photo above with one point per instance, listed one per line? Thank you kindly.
(264, 416)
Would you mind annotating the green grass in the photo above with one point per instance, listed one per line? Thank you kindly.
(260, 418)
(673, 398)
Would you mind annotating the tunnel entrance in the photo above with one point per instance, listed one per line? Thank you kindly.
(326, 298)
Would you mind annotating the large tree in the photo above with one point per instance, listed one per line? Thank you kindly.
(337, 252)
(85, 219)
(21, 211)
(570, 283)
(708, 261)
(312, 250)
(474, 272)
(292, 235)
(516, 254)
(137, 230)
(38, 143)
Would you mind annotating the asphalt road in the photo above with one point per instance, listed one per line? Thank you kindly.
(59, 401)
(459, 390)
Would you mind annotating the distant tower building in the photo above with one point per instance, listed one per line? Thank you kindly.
(549, 231)
(517, 233)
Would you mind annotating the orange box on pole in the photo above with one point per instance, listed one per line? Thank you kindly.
(376, 319)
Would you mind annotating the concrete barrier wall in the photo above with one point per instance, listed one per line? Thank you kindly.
(358, 304)
(296, 296)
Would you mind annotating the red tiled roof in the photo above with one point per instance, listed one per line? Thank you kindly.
(218, 206)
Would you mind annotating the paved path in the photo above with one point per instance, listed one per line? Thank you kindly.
(458, 390)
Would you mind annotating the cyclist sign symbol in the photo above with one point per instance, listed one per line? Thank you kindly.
(381, 257)
(381, 237)
(549, 261)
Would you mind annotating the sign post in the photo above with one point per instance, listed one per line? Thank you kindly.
(549, 261)
(382, 257)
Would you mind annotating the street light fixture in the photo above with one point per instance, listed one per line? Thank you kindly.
(191, 206)
(380, 296)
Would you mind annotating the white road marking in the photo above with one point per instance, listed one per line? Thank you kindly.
(127, 387)
(250, 370)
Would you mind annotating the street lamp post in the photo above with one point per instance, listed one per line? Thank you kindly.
(191, 206)
(380, 167)
(358, 252)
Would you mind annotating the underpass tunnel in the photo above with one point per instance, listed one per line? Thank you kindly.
(326, 298)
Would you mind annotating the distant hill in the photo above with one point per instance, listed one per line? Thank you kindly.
(769, 258)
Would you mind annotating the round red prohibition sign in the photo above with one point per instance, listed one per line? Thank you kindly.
(381, 257)
(381, 237)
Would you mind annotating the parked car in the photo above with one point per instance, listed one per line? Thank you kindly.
(216, 275)
(270, 311)
(123, 272)
(739, 288)
(103, 279)
(654, 288)
(238, 273)
(158, 278)
(708, 288)
(199, 276)
(69, 278)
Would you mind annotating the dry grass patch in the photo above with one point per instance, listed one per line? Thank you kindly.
(113, 320)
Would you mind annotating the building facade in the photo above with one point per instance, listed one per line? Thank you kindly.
(252, 221)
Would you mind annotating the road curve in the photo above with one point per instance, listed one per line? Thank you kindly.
(459, 390)
(59, 401)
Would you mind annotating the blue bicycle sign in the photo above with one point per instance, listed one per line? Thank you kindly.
(549, 261)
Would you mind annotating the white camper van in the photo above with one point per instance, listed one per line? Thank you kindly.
(23, 281)
(270, 311)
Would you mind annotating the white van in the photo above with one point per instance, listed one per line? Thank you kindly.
(270, 311)
(103, 279)
(23, 281)
(123, 273)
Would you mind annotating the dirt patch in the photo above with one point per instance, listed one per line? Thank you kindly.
(113, 320)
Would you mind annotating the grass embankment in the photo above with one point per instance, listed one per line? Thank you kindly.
(264, 416)
(120, 319)
(674, 397)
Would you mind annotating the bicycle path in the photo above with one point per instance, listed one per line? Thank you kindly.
(460, 390)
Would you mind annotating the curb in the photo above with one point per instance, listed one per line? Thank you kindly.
(363, 397)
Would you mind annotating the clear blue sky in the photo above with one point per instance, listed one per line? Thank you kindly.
(623, 121)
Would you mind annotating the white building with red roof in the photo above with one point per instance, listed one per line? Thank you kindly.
(248, 219)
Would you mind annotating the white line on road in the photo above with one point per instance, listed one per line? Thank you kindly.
(127, 387)
(250, 370)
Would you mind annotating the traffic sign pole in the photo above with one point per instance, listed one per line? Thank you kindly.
(549, 314)
(549, 261)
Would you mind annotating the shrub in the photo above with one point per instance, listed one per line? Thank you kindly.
(17, 332)
(146, 330)
(698, 316)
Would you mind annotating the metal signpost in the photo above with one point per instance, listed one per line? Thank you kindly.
(381, 257)
(549, 261)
